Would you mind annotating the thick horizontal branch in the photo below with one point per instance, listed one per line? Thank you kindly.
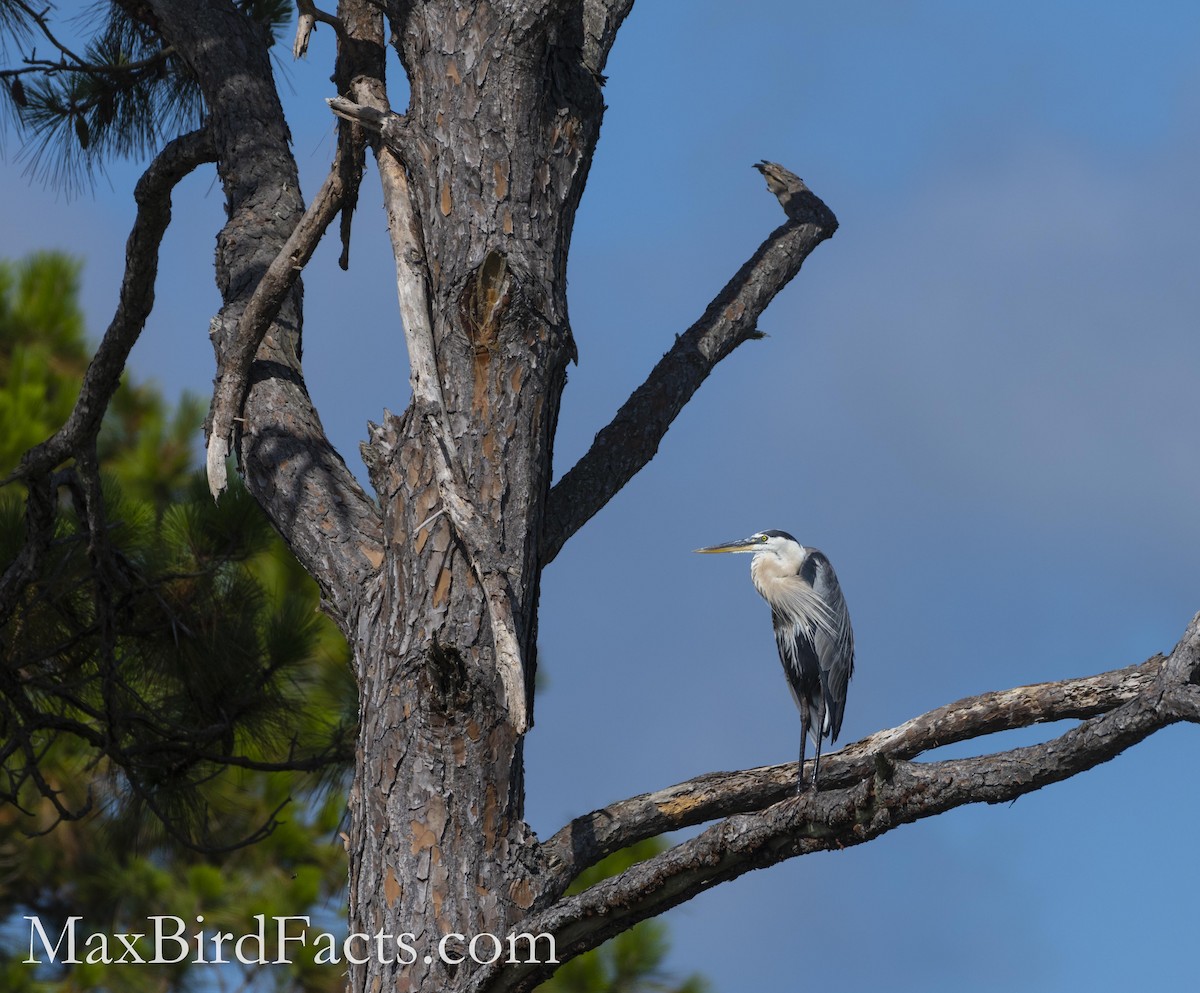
(394, 130)
(592, 837)
(890, 793)
(153, 196)
(632, 438)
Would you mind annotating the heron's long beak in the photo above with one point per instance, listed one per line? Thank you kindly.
(741, 545)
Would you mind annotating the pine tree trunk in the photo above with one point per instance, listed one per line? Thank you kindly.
(510, 119)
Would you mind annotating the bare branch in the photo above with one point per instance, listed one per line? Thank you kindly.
(391, 127)
(50, 67)
(310, 15)
(632, 438)
(588, 839)
(890, 792)
(136, 300)
(39, 529)
(361, 63)
(39, 18)
(229, 392)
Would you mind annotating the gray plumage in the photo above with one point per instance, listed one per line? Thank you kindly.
(812, 630)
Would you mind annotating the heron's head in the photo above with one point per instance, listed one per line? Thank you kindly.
(778, 543)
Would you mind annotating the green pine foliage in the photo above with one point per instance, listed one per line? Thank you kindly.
(42, 350)
(196, 637)
(119, 93)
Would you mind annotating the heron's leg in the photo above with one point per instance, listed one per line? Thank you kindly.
(820, 738)
(803, 741)
(800, 765)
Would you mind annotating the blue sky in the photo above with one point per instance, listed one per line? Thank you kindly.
(977, 399)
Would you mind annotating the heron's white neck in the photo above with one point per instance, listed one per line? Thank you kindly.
(769, 567)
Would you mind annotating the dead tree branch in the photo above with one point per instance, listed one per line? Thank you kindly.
(229, 392)
(872, 788)
(153, 196)
(632, 438)
(592, 837)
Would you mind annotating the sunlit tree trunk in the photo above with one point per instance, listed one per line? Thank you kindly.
(507, 119)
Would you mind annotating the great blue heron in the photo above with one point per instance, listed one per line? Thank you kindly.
(812, 630)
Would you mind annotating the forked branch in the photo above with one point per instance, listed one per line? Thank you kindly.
(233, 379)
(871, 788)
(289, 465)
(632, 438)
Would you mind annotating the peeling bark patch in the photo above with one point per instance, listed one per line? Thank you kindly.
(447, 198)
(521, 894)
(564, 138)
(392, 889)
(517, 376)
(452, 73)
(500, 175)
(481, 306)
(678, 806)
(413, 469)
(436, 815)
(427, 501)
(442, 590)
(422, 837)
(372, 555)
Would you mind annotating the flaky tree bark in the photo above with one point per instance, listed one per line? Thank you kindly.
(435, 579)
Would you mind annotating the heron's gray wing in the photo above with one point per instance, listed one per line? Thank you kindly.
(834, 641)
